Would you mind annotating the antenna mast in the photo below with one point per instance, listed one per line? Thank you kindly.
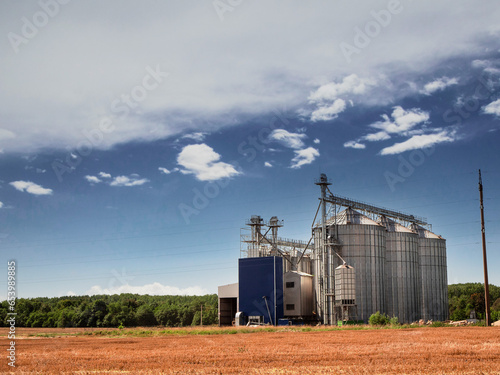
(485, 263)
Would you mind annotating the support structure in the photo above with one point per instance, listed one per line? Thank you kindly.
(485, 262)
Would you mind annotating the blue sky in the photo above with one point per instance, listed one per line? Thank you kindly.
(137, 138)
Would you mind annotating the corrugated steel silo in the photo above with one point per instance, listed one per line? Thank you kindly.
(433, 273)
(402, 273)
(363, 247)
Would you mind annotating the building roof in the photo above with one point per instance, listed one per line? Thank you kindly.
(393, 226)
(350, 216)
(425, 233)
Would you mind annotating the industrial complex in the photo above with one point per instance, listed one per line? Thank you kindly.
(360, 259)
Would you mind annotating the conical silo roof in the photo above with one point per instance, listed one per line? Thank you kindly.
(393, 226)
(425, 233)
(350, 216)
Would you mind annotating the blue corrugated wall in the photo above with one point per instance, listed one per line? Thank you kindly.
(259, 277)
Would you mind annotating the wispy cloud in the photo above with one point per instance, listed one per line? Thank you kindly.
(287, 139)
(133, 180)
(196, 136)
(202, 161)
(268, 165)
(92, 179)
(354, 144)
(328, 112)
(316, 141)
(304, 157)
(1, 204)
(164, 170)
(493, 108)
(419, 141)
(439, 85)
(31, 187)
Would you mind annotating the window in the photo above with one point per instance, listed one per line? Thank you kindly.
(290, 284)
(290, 306)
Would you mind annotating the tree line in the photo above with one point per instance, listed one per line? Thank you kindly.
(131, 310)
(464, 298)
(126, 310)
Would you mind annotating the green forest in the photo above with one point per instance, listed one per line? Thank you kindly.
(129, 310)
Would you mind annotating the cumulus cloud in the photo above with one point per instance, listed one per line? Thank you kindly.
(164, 170)
(439, 85)
(354, 144)
(202, 161)
(92, 179)
(267, 164)
(31, 188)
(402, 120)
(328, 98)
(287, 139)
(104, 175)
(375, 137)
(304, 157)
(493, 108)
(316, 141)
(155, 288)
(419, 141)
(331, 112)
(133, 180)
(1, 204)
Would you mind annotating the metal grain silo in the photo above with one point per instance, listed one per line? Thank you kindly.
(402, 273)
(433, 273)
(363, 247)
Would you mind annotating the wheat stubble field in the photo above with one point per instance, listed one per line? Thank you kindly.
(447, 350)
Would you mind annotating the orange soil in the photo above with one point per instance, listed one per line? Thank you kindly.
(449, 350)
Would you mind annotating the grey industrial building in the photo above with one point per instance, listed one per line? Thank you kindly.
(360, 259)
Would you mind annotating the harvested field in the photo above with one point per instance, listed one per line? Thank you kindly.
(447, 350)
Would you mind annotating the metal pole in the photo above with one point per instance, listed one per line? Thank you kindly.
(485, 263)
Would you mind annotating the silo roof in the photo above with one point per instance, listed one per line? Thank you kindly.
(350, 216)
(425, 233)
(393, 226)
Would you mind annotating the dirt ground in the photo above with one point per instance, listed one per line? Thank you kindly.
(447, 350)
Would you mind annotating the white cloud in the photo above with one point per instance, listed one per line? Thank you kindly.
(133, 180)
(155, 288)
(303, 157)
(1, 204)
(316, 141)
(402, 120)
(202, 161)
(493, 108)
(69, 102)
(104, 175)
(92, 179)
(31, 188)
(267, 164)
(287, 139)
(326, 113)
(354, 144)
(419, 141)
(351, 84)
(328, 97)
(375, 137)
(164, 170)
(196, 136)
(439, 85)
